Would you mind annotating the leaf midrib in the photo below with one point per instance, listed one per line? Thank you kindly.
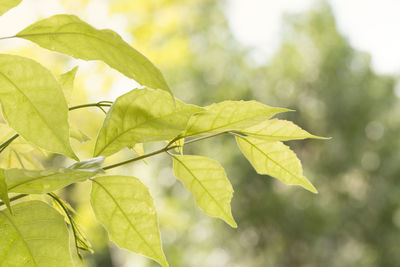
(135, 127)
(34, 107)
(40, 177)
(205, 189)
(267, 156)
(127, 218)
(143, 63)
(230, 123)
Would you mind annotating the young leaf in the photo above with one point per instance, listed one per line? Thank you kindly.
(126, 209)
(91, 165)
(44, 181)
(180, 143)
(142, 115)
(3, 189)
(78, 135)
(6, 5)
(207, 181)
(66, 81)
(278, 130)
(33, 104)
(274, 159)
(69, 35)
(230, 116)
(20, 153)
(35, 235)
(139, 150)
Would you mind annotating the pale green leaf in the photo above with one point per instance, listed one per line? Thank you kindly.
(278, 130)
(34, 236)
(179, 143)
(126, 209)
(78, 135)
(91, 165)
(33, 104)
(230, 116)
(44, 181)
(6, 5)
(139, 150)
(207, 181)
(142, 115)
(66, 81)
(274, 159)
(4, 190)
(19, 153)
(70, 35)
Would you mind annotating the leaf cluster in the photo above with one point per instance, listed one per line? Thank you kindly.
(35, 106)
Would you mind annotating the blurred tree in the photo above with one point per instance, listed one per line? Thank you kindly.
(355, 219)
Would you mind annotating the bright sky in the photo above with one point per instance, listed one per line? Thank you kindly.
(370, 25)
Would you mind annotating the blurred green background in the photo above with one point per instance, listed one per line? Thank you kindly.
(355, 218)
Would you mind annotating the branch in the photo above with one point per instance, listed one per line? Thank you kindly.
(162, 150)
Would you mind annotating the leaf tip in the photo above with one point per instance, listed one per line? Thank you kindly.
(309, 186)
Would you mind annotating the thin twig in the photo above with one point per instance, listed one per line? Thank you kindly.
(162, 150)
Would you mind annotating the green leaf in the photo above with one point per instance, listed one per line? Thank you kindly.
(19, 153)
(6, 5)
(278, 130)
(274, 159)
(69, 35)
(4, 190)
(35, 235)
(33, 104)
(230, 116)
(207, 181)
(78, 135)
(142, 115)
(126, 209)
(91, 165)
(44, 181)
(139, 150)
(179, 143)
(66, 81)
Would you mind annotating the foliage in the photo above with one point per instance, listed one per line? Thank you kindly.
(35, 106)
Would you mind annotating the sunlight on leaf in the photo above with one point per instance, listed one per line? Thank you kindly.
(69, 35)
(126, 209)
(6, 5)
(33, 104)
(35, 235)
(4, 190)
(230, 115)
(207, 181)
(66, 81)
(278, 130)
(44, 181)
(142, 115)
(274, 159)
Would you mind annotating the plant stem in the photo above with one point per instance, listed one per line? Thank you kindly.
(7, 37)
(14, 198)
(7, 142)
(98, 105)
(162, 150)
(71, 221)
